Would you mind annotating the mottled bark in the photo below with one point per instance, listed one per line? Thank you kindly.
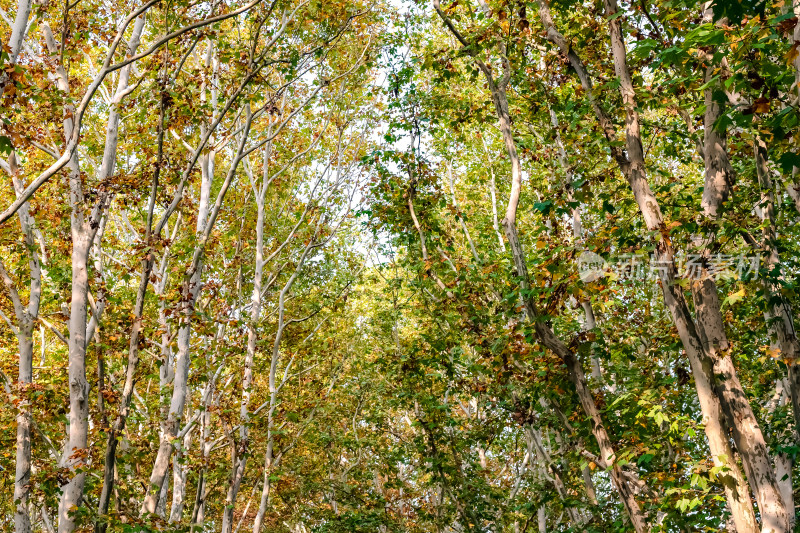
(15, 41)
(737, 492)
(778, 314)
(76, 452)
(710, 326)
(543, 332)
(108, 166)
(239, 451)
(746, 432)
(718, 172)
(179, 473)
(783, 461)
(190, 290)
(26, 316)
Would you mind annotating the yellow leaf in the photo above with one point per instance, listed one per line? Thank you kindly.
(733, 298)
(791, 55)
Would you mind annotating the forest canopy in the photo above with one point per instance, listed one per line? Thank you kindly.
(408, 266)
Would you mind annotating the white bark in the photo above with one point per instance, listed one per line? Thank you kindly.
(83, 230)
(460, 215)
(179, 472)
(16, 40)
(493, 195)
(191, 288)
(77, 112)
(26, 316)
(19, 30)
(239, 456)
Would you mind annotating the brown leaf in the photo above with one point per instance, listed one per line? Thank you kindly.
(761, 105)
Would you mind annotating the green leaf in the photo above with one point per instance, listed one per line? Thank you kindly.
(5, 145)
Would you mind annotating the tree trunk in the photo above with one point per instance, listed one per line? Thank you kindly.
(179, 472)
(18, 31)
(718, 181)
(783, 461)
(266, 490)
(778, 315)
(746, 432)
(76, 453)
(170, 428)
(25, 317)
(737, 492)
(190, 291)
(578, 378)
(25, 321)
(543, 332)
(22, 522)
(239, 458)
(546, 335)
